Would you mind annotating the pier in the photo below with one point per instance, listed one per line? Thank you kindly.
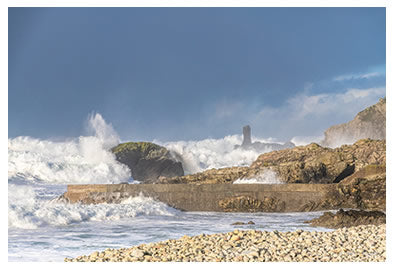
(213, 197)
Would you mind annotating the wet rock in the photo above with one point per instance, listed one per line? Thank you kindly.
(250, 204)
(242, 223)
(238, 223)
(148, 161)
(349, 218)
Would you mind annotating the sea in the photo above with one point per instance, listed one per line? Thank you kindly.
(42, 228)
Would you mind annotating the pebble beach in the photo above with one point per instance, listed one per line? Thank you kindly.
(366, 243)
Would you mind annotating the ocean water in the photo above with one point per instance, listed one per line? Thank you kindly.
(42, 228)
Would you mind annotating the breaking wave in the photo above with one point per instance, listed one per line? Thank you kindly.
(197, 156)
(265, 177)
(86, 159)
(39, 169)
(305, 140)
(28, 209)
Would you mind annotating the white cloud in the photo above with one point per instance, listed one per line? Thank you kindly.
(353, 94)
(326, 104)
(303, 114)
(225, 109)
(358, 76)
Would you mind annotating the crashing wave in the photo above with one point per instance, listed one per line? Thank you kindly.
(265, 177)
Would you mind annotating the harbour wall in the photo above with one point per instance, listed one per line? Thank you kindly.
(213, 197)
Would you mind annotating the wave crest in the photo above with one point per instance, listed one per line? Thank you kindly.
(86, 159)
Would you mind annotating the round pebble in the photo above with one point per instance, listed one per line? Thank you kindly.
(365, 243)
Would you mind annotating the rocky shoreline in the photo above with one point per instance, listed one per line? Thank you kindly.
(365, 243)
(349, 218)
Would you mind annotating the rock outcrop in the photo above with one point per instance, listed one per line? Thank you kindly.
(304, 164)
(212, 176)
(247, 144)
(365, 189)
(369, 123)
(349, 218)
(316, 164)
(246, 136)
(250, 204)
(147, 161)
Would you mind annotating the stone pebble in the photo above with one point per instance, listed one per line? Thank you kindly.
(366, 243)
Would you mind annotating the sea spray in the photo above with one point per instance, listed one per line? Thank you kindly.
(206, 154)
(104, 132)
(34, 211)
(38, 171)
(265, 177)
(305, 140)
(86, 159)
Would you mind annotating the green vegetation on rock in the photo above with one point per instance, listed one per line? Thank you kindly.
(148, 149)
(147, 161)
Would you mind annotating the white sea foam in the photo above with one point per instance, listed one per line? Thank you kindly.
(265, 177)
(105, 133)
(197, 156)
(37, 168)
(86, 159)
(29, 210)
(305, 140)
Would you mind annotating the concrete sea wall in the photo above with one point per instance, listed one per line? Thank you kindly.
(213, 197)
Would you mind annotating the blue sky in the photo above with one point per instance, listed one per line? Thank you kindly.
(193, 73)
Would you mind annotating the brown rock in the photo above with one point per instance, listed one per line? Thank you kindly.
(250, 204)
(315, 164)
(349, 218)
(148, 161)
(238, 223)
(369, 123)
(304, 164)
(365, 189)
(212, 176)
(242, 223)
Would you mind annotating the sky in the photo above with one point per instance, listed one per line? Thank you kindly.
(192, 73)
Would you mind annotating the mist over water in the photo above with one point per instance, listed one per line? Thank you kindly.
(197, 156)
(100, 130)
(265, 177)
(38, 171)
(32, 207)
(305, 140)
(86, 159)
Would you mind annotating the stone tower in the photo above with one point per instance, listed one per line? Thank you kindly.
(246, 136)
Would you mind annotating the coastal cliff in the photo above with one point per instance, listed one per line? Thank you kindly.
(369, 123)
